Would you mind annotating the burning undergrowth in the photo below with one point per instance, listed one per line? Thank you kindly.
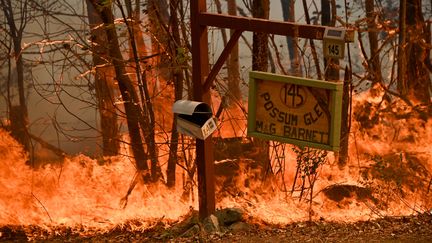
(388, 173)
(78, 192)
(391, 145)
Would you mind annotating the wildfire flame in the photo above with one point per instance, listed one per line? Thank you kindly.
(77, 192)
(82, 192)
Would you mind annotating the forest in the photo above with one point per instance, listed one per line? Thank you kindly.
(92, 150)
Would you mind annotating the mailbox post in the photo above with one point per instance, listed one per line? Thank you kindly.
(204, 148)
(202, 79)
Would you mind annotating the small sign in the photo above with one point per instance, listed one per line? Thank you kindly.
(334, 42)
(295, 110)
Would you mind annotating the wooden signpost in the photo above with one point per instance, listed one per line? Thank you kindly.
(203, 78)
(300, 111)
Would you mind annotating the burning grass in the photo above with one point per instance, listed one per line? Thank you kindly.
(77, 192)
(388, 174)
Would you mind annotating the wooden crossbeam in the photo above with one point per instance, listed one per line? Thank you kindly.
(261, 25)
(267, 26)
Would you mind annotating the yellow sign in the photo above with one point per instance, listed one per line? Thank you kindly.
(294, 110)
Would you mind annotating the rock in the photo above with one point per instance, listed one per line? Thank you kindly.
(211, 224)
(194, 230)
(228, 216)
(239, 226)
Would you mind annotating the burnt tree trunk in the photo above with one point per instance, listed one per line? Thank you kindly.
(104, 83)
(288, 12)
(401, 55)
(414, 54)
(178, 90)
(18, 113)
(147, 120)
(127, 90)
(417, 73)
(157, 11)
(233, 64)
(260, 9)
(260, 51)
(375, 69)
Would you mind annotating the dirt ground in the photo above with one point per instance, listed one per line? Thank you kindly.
(395, 229)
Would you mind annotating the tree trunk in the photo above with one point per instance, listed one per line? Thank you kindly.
(260, 50)
(147, 120)
(104, 83)
(260, 9)
(178, 91)
(311, 42)
(157, 11)
(401, 84)
(18, 126)
(288, 12)
(129, 96)
(419, 82)
(233, 64)
(18, 114)
(373, 42)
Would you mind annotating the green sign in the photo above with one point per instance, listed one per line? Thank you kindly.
(300, 111)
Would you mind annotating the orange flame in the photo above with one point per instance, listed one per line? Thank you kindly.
(81, 192)
(78, 192)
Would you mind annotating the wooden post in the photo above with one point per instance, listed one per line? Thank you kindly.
(204, 148)
(203, 79)
(331, 67)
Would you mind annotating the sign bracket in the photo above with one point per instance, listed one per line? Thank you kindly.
(222, 58)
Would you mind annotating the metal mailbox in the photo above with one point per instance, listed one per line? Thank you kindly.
(194, 118)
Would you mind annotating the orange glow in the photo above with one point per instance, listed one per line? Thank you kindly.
(78, 192)
(81, 192)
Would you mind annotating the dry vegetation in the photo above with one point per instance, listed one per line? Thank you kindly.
(388, 229)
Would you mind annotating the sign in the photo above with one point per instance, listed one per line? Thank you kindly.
(295, 110)
(334, 42)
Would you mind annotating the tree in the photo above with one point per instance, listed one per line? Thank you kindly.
(138, 53)
(414, 54)
(129, 96)
(233, 64)
(104, 84)
(157, 11)
(16, 23)
(288, 12)
(260, 51)
(178, 79)
(373, 42)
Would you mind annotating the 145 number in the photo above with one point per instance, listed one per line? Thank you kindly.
(293, 95)
(333, 49)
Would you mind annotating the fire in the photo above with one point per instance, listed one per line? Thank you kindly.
(388, 173)
(77, 192)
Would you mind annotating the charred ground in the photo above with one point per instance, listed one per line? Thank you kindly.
(387, 229)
